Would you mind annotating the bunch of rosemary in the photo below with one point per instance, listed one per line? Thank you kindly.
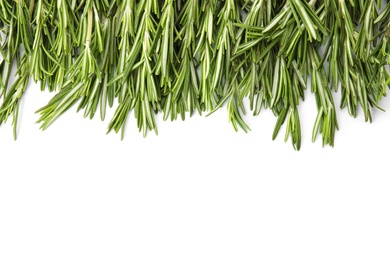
(179, 57)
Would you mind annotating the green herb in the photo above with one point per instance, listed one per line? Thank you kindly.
(177, 58)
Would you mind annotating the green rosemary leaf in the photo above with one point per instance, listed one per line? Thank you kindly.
(309, 24)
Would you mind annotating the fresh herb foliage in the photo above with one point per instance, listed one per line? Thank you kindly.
(179, 57)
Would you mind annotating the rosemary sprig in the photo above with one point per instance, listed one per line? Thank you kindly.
(19, 33)
(326, 122)
(139, 90)
(205, 52)
(184, 89)
(83, 76)
(227, 75)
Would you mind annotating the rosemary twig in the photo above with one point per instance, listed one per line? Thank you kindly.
(184, 93)
(140, 91)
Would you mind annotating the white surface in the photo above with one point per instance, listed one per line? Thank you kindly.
(197, 191)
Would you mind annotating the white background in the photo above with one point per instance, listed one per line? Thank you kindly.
(197, 191)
